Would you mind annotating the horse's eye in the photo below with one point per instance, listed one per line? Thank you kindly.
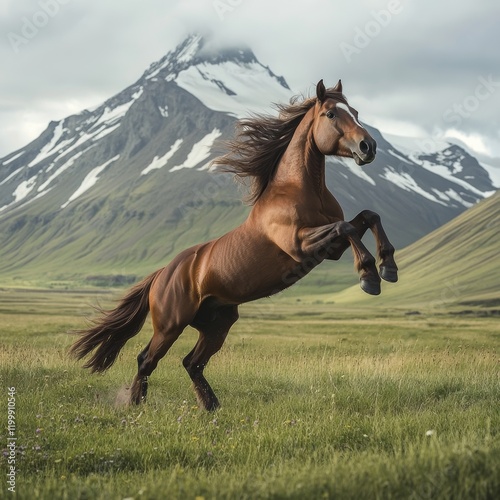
(330, 114)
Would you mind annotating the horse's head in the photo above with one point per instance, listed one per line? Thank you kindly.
(337, 130)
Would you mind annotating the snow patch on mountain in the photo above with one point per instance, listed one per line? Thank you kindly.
(13, 174)
(455, 196)
(105, 132)
(111, 115)
(161, 161)
(444, 172)
(90, 180)
(200, 151)
(399, 157)
(163, 111)
(356, 170)
(404, 181)
(233, 88)
(60, 170)
(24, 189)
(190, 50)
(82, 139)
(21, 191)
(46, 150)
(493, 172)
(451, 194)
(15, 157)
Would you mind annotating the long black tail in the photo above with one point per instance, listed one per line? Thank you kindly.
(113, 328)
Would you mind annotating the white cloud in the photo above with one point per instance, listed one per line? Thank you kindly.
(474, 141)
(91, 50)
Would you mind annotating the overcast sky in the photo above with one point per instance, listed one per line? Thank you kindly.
(410, 67)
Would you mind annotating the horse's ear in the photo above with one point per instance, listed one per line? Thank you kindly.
(338, 87)
(320, 91)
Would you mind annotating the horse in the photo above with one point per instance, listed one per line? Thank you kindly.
(295, 223)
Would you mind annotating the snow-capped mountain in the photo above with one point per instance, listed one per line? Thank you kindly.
(127, 183)
(223, 80)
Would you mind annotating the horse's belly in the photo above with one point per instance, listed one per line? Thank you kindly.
(240, 273)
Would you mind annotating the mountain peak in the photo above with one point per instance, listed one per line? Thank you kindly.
(198, 48)
(203, 50)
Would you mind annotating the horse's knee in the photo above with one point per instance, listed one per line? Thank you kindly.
(345, 229)
(371, 217)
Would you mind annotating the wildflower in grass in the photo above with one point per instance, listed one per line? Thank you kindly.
(38, 430)
(430, 432)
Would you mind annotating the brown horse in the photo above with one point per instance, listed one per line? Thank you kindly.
(294, 225)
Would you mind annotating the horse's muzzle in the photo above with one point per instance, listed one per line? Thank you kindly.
(365, 151)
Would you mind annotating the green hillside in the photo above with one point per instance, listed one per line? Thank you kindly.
(457, 264)
(116, 238)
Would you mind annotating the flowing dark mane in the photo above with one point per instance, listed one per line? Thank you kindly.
(260, 142)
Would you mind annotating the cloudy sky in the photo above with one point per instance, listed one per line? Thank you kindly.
(416, 68)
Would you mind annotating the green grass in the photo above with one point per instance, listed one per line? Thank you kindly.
(317, 402)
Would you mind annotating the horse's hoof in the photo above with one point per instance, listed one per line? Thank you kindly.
(370, 287)
(389, 274)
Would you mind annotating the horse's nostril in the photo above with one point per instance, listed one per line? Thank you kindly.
(364, 147)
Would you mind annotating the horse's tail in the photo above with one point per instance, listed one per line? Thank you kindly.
(113, 328)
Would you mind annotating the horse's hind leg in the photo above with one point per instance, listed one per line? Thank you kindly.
(148, 359)
(142, 382)
(212, 335)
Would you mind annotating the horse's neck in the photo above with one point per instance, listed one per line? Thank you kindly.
(302, 164)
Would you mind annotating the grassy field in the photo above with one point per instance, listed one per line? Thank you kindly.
(318, 401)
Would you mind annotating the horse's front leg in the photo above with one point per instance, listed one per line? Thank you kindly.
(385, 251)
(322, 242)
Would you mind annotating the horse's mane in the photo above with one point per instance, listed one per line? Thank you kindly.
(261, 140)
